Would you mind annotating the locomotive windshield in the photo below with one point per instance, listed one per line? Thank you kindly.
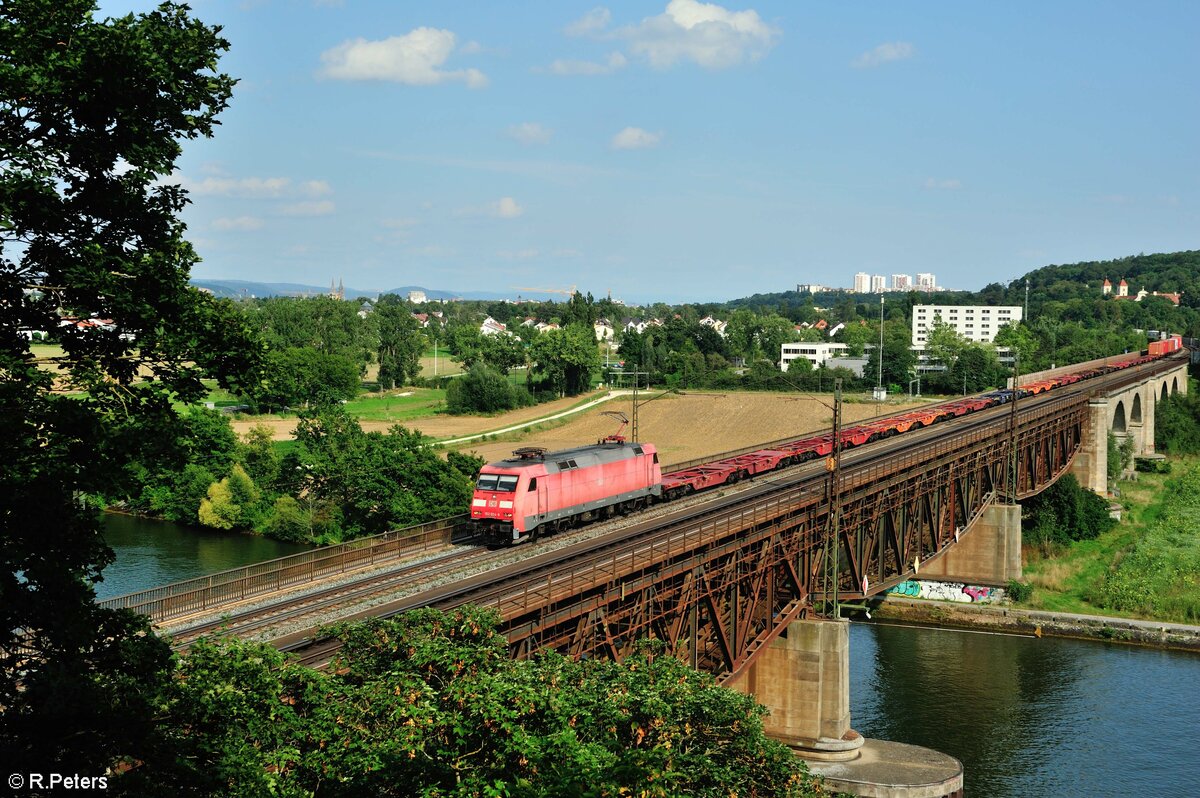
(504, 483)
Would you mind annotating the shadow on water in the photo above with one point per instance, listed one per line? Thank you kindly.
(1030, 717)
(152, 553)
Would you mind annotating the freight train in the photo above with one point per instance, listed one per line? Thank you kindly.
(537, 491)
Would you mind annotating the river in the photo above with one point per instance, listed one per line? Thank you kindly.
(1029, 716)
(152, 553)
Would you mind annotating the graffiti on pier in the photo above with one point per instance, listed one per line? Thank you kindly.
(947, 591)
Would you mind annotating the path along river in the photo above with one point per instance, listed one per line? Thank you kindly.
(1026, 716)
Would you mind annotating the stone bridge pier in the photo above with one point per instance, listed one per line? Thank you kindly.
(1129, 415)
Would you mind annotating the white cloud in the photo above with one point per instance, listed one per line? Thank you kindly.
(949, 184)
(416, 59)
(611, 64)
(255, 187)
(503, 208)
(521, 254)
(240, 223)
(506, 208)
(593, 21)
(706, 33)
(884, 53)
(634, 138)
(530, 133)
(316, 208)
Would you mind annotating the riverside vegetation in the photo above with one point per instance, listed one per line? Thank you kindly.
(1148, 566)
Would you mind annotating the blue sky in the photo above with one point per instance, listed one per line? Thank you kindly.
(689, 151)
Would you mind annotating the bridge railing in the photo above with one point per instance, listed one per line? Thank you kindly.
(237, 584)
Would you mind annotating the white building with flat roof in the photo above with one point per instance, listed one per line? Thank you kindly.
(901, 282)
(878, 284)
(815, 353)
(978, 323)
(862, 283)
(926, 281)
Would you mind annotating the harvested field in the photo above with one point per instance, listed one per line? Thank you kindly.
(688, 426)
(439, 426)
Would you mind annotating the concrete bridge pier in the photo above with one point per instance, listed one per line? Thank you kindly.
(803, 677)
(987, 552)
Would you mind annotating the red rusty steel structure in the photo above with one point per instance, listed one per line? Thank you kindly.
(718, 589)
(720, 583)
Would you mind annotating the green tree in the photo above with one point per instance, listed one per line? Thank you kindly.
(481, 390)
(1177, 424)
(377, 482)
(218, 509)
(566, 358)
(1022, 340)
(944, 345)
(90, 129)
(400, 342)
(303, 377)
(898, 357)
(430, 703)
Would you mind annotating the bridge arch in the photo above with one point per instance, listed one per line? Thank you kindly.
(1118, 423)
(1175, 384)
(1164, 390)
(1135, 415)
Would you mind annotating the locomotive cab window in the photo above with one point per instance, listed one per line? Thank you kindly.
(507, 484)
(533, 484)
(637, 450)
(487, 482)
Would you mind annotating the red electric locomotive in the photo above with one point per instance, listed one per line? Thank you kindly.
(536, 491)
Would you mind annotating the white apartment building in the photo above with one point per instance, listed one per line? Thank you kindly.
(926, 282)
(878, 284)
(978, 323)
(862, 283)
(901, 282)
(815, 353)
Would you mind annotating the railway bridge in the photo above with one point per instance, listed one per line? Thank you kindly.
(741, 585)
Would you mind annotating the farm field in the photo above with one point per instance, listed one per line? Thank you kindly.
(417, 408)
(686, 426)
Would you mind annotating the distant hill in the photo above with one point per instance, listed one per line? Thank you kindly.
(1166, 272)
(245, 289)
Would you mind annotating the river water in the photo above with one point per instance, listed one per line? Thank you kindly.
(1029, 716)
(152, 553)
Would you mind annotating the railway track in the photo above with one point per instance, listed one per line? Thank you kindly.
(495, 586)
(260, 620)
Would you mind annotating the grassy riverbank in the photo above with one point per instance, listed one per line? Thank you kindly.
(1146, 567)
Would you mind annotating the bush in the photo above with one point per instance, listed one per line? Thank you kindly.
(1064, 512)
(481, 390)
(1019, 591)
(1177, 424)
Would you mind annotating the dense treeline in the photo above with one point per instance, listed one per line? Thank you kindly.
(337, 482)
(431, 704)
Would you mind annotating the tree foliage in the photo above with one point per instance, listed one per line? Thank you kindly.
(375, 481)
(431, 704)
(566, 358)
(400, 342)
(484, 390)
(91, 121)
(1177, 424)
(1064, 512)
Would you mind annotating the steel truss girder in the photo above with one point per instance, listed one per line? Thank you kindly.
(718, 603)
